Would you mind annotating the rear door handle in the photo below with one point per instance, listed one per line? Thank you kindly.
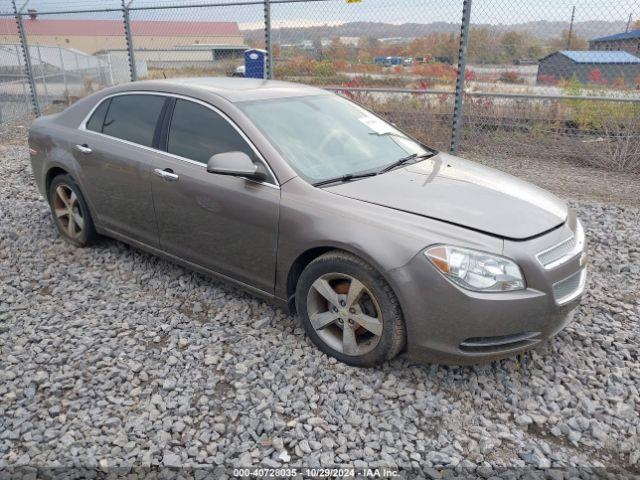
(84, 148)
(166, 174)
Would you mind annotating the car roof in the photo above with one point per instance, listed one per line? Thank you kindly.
(232, 89)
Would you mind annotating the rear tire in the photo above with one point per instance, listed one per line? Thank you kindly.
(70, 212)
(349, 311)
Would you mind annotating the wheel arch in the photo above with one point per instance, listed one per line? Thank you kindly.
(309, 255)
(52, 173)
(56, 169)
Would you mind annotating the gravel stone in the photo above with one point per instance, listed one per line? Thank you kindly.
(537, 459)
(278, 444)
(112, 356)
(438, 458)
(524, 419)
(171, 361)
(284, 456)
(304, 446)
(171, 460)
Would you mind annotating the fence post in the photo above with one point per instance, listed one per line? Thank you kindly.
(26, 96)
(128, 38)
(462, 64)
(43, 75)
(64, 76)
(27, 59)
(111, 80)
(267, 38)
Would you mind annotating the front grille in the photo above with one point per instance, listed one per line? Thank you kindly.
(499, 343)
(566, 290)
(558, 252)
(563, 251)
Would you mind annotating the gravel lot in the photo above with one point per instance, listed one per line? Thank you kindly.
(111, 356)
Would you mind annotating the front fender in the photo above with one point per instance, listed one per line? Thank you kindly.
(388, 239)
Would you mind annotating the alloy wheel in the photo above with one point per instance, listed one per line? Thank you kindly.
(344, 313)
(66, 209)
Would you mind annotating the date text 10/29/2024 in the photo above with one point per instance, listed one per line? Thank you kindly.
(315, 472)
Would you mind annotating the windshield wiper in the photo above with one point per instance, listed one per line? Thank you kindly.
(403, 160)
(344, 178)
(353, 176)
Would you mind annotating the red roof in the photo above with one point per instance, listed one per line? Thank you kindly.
(105, 28)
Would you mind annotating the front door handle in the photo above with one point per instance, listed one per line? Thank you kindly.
(166, 174)
(84, 148)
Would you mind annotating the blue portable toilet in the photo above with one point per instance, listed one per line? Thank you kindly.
(255, 63)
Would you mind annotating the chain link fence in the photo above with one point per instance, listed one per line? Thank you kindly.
(558, 79)
(212, 46)
(15, 99)
(376, 63)
(543, 81)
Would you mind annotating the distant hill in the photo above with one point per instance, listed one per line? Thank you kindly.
(540, 29)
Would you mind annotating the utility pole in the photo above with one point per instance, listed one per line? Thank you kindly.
(573, 16)
(629, 23)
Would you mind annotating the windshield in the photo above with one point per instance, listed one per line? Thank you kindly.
(327, 136)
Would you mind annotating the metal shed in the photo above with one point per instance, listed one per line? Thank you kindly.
(625, 41)
(603, 67)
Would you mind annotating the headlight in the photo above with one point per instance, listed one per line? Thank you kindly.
(475, 270)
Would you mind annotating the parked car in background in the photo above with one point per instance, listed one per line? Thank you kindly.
(393, 61)
(379, 243)
(239, 71)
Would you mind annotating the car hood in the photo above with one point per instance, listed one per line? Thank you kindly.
(464, 193)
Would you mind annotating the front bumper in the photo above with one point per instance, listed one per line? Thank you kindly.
(450, 325)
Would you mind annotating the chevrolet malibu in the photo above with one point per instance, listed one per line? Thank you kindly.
(377, 242)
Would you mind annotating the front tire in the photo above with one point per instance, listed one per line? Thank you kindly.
(70, 212)
(349, 311)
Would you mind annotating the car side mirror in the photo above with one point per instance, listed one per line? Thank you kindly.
(236, 164)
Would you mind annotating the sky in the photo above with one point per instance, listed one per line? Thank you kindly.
(334, 12)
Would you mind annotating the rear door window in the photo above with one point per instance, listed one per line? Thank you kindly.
(197, 133)
(133, 118)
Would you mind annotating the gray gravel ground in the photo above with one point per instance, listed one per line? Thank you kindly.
(111, 356)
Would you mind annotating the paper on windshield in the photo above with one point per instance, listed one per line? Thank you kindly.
(377, 125)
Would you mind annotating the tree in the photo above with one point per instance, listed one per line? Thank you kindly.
(336, 50)
(317, 49)
(517, 45)
(484, 46)
(535, 50)
(513, 44)
(595, 76)
(434, 45)
(368, 43)
(562, 42)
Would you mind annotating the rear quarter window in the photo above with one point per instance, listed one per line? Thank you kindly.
(97, 119)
